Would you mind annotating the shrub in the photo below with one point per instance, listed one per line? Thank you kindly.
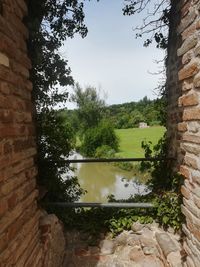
(102, 135)
(104, 151)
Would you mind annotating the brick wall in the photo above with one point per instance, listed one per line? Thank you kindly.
(183, 87)
(21, 242)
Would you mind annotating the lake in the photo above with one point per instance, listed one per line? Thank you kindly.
(103, 179)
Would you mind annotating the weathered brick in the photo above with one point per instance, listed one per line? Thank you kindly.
(191, 148)
(197, 50)
(23, 6)
(191, 99)
(3, 241)
(191, 114)
(188, 44)
(193, 126)
(184, 170)
(191, 138)
(196, 191)
(197, 80)
(34, 243)
(187, 85)
(191, 161)
(185, 9)
(20, 69)
(188, 71)
(197, 201)
(6, 116)
(12, 200)
(7, 148)
(187, 21)
(185, 192)
(4, 88)
(187, 57)
(182, 127)
(189, 204)
(195, 174)
(3, 207)
(189, 31)
(4, 60)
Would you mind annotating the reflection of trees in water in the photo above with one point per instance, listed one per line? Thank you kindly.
(139, 187)
(96, 179)
(103, 179)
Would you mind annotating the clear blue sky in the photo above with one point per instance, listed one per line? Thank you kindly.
(110, 57)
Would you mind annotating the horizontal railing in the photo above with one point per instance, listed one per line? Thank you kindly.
(94, 160)
(101, 205)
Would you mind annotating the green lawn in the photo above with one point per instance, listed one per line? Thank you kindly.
(130, 140)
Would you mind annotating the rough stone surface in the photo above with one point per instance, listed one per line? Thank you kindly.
(106, 247)
(188, 44)
(166, 243)
(127, 249)
(137, 227)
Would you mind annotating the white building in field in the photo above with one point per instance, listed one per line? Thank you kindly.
(143, 125)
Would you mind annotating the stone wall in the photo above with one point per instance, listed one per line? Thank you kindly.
(22, 241)
(183, 87)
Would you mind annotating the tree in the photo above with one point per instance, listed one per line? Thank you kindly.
(50, 23)
(156, 22)
(156, 26)
(135, 118)
(90, 106)
(100, 136)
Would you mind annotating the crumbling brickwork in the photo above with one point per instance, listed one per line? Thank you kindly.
(183, 88)
(22, 241)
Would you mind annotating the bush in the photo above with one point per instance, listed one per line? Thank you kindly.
(102, 135)
(168, 210)
(104, 151)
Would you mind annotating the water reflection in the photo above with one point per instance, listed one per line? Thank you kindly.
(103, 179)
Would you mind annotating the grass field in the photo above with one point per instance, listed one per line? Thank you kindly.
(130, 140)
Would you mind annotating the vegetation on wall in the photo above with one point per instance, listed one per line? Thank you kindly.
(50, 23)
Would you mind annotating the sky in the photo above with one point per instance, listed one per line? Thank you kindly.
(110, 58)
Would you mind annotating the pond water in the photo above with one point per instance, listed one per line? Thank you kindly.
(103, 179)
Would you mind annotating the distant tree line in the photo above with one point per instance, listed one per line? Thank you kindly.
(129, 115)
(126, 115)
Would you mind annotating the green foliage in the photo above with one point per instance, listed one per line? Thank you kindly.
(168, 207)
(50, 22)
(128, 115)
(90, 107)
(163, 177)
(122, 116)
(56, 140)
(166, 212)
(99, 136)
(155, 23)
(104, 151)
